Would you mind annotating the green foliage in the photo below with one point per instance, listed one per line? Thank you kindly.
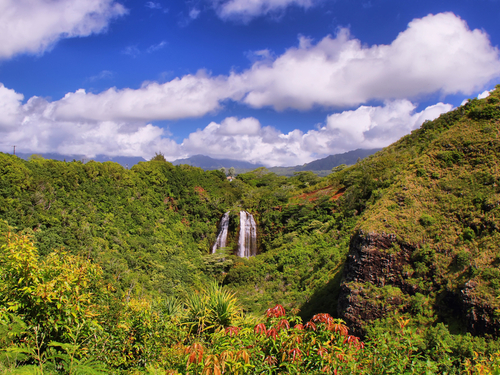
(122, 280)
(159, 157)
(426, 220)
(209, 335)
(146, 227)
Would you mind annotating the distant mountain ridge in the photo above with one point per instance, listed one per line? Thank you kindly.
(124, 161)
(208, 163)
(332, 161)
(321, 166)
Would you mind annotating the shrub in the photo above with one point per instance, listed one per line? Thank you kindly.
(426, 220)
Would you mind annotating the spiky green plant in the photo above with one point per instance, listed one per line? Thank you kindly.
(222, 304)
(211, 308)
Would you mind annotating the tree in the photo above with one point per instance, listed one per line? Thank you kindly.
(158, 157)
(223, 170)
(232, 171)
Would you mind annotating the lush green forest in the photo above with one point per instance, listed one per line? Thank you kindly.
(390, 266)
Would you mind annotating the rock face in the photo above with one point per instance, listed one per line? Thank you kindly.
(372, 261)
(480, 316)
(376, 282)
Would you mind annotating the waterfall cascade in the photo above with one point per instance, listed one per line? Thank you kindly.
(247, 242)
(222, 235)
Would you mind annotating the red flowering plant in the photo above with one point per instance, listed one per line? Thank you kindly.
(280, 344)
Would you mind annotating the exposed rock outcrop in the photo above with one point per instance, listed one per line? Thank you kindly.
(479, 315)
(376, 281)
(375, 260)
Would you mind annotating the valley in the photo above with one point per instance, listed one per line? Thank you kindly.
(390, 265)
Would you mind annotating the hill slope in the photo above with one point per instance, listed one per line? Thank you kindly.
(428, 239)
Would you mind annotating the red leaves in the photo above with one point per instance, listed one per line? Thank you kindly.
(354, 341)
(339, 327)
(276, 312)
(299, 327)
(272, 333)
(260, 328)
(195, 352)
(322, 352)
(270, 360)
(335, 325)
(323, 318)
(232, 331)
(311, 326)
(295, 354)
(283, 323)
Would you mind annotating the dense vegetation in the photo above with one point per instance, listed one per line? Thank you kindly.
(104, 269)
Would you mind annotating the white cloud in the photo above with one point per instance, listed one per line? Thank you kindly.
(437, 53)
(132, 50)
(36, 127)
(105, 74)
(189, 96)
(157, 47)
(33, 26)
(483, 95)
(194, 13)
(245, 10)
(152, 5)
(365, 127)
(10, 102)
(234, 126)
(32, 128)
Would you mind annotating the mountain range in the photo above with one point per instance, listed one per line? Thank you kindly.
(321, 167)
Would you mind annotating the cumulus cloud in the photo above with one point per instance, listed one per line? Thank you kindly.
(365, 127)
(36, 127)
(245, 10)
(33, 26)
(189, 96)
(434, 54)
(33, 128)
(10, 102)
(483, 95)
(437, 53)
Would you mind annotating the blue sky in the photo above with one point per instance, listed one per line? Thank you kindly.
(278, 82)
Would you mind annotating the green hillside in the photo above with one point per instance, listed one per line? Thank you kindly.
(109, 270)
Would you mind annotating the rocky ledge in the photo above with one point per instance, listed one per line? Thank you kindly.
(375, 282)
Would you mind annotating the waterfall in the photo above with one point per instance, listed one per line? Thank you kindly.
(247, 242)
(222, 234)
